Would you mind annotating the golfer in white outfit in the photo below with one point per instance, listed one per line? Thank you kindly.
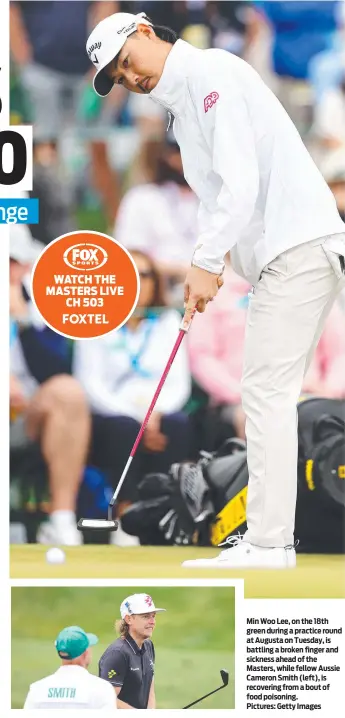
(72, 686)
(261, 197)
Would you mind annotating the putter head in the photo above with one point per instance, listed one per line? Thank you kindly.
(97, 525)
(225, 677)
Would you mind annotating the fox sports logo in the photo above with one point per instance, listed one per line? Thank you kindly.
(85, 257)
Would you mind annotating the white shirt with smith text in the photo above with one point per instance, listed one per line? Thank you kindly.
(71, 687)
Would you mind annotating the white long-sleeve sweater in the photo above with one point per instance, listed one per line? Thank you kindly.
(260, 192)
(106, 368)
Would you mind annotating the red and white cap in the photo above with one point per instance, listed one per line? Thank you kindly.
(138, 603)
(106, 41)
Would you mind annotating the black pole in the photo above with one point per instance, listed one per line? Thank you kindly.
(225, 678)
(203, 697)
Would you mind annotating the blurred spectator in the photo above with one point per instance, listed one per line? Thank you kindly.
(298, 31)
(202, 23)
(47, 407)
(120, 372)
(56, 207)
(228, 24)
(160, 216)
(327, 68)
(48, 46)
(176, 14)
(216, 343)
(329, 116)
(20, 110)
(333, 169)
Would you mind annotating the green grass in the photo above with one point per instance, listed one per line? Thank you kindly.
(193, 640)
(315, 576)
(91, 219)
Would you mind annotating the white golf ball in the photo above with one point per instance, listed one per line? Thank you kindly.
(55, 555)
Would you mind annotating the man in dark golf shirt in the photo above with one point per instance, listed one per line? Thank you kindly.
(128, 663)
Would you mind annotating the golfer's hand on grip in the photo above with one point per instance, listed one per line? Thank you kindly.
(200, 287)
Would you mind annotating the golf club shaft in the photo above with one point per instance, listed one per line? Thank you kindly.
(203, 697)
(183, 330)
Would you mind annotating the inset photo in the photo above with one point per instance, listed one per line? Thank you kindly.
(143, 648)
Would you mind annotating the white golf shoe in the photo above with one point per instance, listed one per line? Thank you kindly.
(55, 534)
(243, 554)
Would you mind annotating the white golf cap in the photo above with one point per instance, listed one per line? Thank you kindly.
(138, 603)
(106, 41)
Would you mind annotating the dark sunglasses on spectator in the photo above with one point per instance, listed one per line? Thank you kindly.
(147, 274)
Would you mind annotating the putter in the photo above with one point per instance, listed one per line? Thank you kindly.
(110, 524)
(225, 678)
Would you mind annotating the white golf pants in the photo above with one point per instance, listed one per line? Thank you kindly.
(287, 312)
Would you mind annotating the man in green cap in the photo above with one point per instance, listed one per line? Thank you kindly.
(72, 686)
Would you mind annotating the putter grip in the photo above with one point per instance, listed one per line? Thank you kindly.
(185, 324)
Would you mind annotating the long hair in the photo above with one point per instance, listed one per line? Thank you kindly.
(122, 628)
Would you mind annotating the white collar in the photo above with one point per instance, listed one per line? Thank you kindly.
(74, 667)
(170, 91)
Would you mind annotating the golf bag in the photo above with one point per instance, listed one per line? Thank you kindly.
(320, 511)
(204, 503)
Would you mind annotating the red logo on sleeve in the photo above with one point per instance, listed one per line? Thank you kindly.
(210, 100)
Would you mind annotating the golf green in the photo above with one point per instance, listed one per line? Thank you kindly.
(316, 576)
